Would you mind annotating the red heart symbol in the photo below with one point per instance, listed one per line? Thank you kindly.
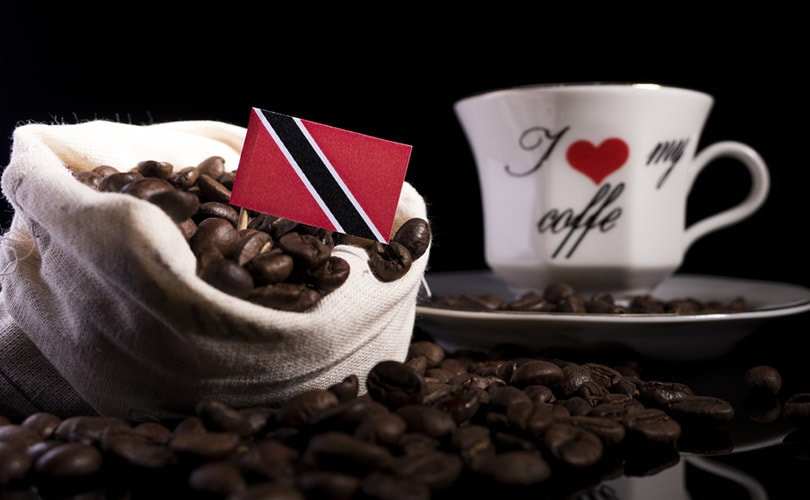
(597, 162)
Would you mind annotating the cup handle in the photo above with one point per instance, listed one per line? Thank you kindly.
(760, 185)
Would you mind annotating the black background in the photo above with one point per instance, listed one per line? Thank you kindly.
(396, 74)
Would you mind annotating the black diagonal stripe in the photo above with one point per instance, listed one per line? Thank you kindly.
(318, 175)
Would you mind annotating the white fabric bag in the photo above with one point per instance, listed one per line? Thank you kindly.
(101, 308)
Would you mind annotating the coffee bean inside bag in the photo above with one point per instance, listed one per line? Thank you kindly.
(109, 303)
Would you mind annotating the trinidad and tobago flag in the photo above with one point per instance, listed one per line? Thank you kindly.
(320, 175)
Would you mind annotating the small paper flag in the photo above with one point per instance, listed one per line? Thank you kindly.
(320, 175)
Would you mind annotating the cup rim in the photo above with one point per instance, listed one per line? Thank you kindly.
(574, 86)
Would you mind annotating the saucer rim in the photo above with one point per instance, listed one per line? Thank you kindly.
(775, 310)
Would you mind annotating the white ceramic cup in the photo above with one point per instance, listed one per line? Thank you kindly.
(588, 183)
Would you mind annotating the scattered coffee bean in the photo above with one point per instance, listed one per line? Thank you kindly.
(506, 418)
(763, 379)
(560, 297)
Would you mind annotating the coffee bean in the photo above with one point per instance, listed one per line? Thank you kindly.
(536, 372)
(395, 384)
(341, 452)
(651, 425)
(152, 168)
(330, 275)
(213, 166)
(306, 250)
(179, 205)
(69, 461)
(763, 378)
(796, 409)
(701, 409)
(228, 276)
(389, 262)
(414, 235)
(292, 297)
(213, 189)
(572, 445)
(219, 478)
(516, 468)
(271, 267)
(14, 464)
(185, 178)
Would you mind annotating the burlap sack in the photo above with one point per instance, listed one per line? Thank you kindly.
(101, 309)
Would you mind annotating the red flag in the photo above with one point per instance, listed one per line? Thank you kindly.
(320, 175)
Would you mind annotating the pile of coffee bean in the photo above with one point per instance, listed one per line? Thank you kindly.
(271, 261)
(436, 425)
(561, 297)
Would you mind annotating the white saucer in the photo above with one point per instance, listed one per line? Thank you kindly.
(663, 337)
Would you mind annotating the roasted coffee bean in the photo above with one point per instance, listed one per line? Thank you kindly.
(414, 235)
(796, 409)
(389, 262)
(437, 469)
(380, 484)
(763, 378)
(204, 446)
(15, 465)
(341, 452)
(301, 409)
(114, 183)
(608, 430)
(660, 394)
(179, 205)
(573, 445)
(271, 267)
(228, 276)
(146, 187)
(19, 435)
(294, 297)
(220, 479)
(185, 178)
(572, 304)
(330, 275)
(212, 189)
(42, 423)
(427, 420)
(346, 389)
(328, 484)
(89, 178)
(152, 168)
(603, 304)
(576, 405)
(252, 243)
(651, 425)
(217, 209)
(382, 427)
(536, 372)
(69, 461)
(395, 384)
(218, 416)
(701, 409)
(555, 292)
(307, 250)
(516, 468)
(432, 353)
(216, 233)
(213, 166)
